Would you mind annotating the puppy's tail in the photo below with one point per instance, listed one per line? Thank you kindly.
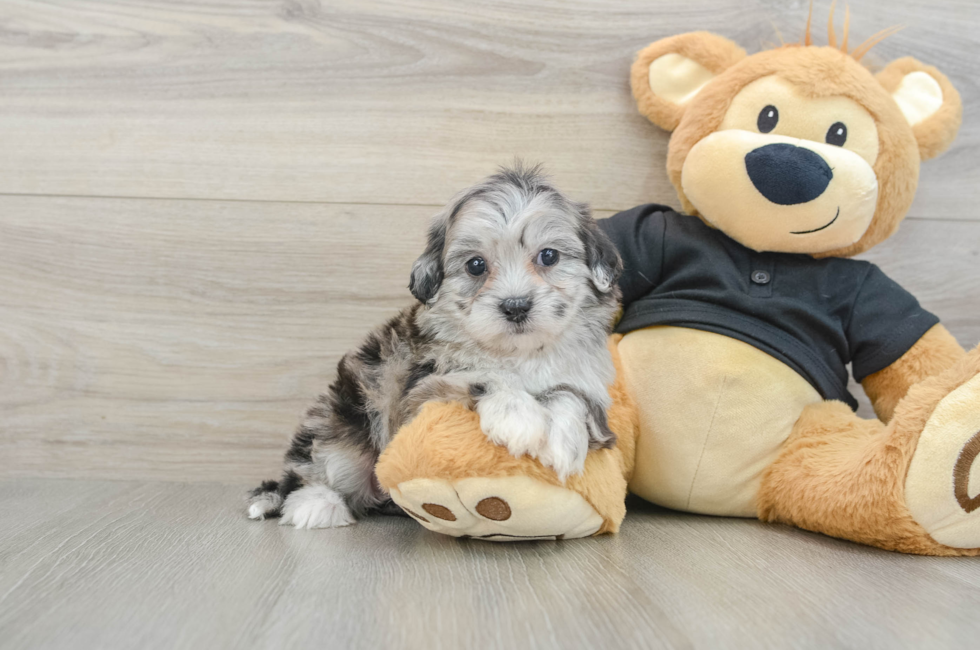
(266, 500)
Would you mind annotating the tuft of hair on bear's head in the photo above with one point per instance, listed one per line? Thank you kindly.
(858, 52)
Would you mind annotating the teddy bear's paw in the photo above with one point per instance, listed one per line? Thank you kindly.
(942, 487)
(512, 508)
(514, 420)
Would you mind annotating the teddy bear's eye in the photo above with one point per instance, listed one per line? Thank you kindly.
(767, 119)
(837, 134)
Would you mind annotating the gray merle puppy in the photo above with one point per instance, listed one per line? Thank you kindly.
(517, 293)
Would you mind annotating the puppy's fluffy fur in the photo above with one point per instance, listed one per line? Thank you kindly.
(517, 292)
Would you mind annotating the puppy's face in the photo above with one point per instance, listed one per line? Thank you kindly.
(514, 265)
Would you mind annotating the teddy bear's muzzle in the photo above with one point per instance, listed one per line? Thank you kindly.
(786, 174)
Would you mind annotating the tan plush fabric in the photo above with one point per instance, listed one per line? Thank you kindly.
(815, 72)
(713, 412)
(936, 133)
(936, 351)
(949, 447)
(836, 474)
(445, 442)
(709, 51)
(845, 477)
(727, 200)
(498, 508)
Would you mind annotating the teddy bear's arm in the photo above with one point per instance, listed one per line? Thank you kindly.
(936, 351)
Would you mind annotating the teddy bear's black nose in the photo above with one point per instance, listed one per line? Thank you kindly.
(786, 174)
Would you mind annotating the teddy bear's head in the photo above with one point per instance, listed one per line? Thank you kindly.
(798, 149)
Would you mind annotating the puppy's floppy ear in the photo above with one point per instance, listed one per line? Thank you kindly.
(928, 101)
(600, 253)
(668, 73)
(427, 271)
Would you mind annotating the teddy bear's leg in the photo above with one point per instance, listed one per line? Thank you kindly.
(500, 509)
(912, 485)
(444, 472)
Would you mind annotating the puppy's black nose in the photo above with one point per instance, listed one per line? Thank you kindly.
(786, 174)
(516, 309)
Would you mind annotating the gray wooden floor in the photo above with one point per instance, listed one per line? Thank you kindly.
(204, 203)
(98, 564)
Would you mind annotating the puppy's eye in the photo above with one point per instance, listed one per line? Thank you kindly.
(837, 134)
(547, 257)
(768, 117)
(476, 266)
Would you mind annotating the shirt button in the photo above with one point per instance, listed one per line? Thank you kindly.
(761, 277)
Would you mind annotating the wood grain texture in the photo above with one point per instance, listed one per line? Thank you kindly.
(96, 564)
(204, 203)
(182, 340)
(392, 102)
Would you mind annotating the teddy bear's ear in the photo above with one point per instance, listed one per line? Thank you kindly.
(667, 74)
(928, 101)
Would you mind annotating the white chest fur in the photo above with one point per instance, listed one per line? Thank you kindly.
(586, 365)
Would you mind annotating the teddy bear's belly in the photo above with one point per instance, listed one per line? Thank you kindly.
(714, 412)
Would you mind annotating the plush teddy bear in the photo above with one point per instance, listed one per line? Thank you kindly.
(741, 316)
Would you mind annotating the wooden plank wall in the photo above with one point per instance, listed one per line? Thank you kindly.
(204, 203)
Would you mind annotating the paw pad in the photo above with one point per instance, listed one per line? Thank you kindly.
(961, 475)
(494, 508)
(439, 512)
(415, 514)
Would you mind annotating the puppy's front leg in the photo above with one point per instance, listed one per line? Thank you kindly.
(576, 424)
(511, 418)
(568, 435)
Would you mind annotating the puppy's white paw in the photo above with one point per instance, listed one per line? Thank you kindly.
(568, 437)
(315, 506)
(565, 459)
(514, 420)
(263, 504)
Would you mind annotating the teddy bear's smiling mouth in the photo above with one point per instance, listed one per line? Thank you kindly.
(823, 227)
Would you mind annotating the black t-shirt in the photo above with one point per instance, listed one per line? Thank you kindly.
(815, 315)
